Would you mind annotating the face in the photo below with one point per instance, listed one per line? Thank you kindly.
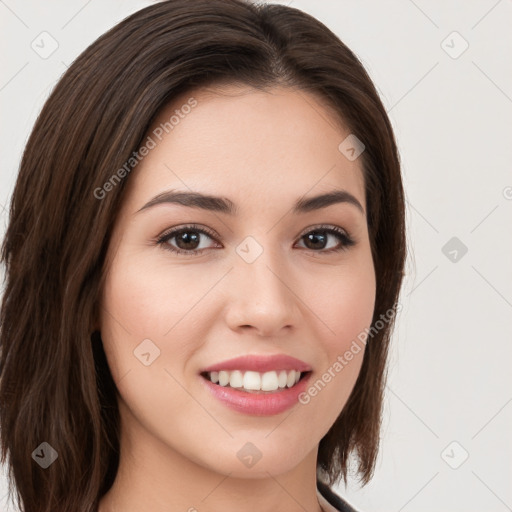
(266, 279)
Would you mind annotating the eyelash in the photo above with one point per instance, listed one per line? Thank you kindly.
(342, 235)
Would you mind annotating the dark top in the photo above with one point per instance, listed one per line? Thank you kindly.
(335, 500)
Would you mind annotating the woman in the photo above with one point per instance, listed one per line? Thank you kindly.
(203, 261)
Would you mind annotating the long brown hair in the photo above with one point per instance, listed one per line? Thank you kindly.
(56, 386)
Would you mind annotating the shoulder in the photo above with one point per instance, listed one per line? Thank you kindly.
(330, 501)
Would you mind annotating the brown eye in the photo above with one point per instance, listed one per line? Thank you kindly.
(187, 240)
(318, 239)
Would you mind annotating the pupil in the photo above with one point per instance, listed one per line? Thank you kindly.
(188, 239)
(314, 237)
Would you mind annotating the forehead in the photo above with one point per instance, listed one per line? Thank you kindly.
(246, 143)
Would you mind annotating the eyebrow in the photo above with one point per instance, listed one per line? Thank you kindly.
(225, 205)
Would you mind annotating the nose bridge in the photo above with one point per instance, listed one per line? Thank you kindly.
(262, 297)
(259, 264)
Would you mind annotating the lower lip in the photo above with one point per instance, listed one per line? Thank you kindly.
(264, 404)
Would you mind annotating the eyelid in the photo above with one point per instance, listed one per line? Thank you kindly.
(187, 227)
(321, 227)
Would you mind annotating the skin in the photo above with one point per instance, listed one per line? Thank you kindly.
(263, 151)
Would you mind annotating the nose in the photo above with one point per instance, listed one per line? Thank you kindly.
(262, 296)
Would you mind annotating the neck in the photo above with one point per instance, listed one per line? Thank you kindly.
(155, 477)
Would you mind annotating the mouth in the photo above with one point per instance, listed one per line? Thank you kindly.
(252, 382)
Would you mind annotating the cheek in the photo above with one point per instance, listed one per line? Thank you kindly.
(355, 301)
(344, 302)
(346, 305)
(149, 297)
(144, 320)
(136, 296)
(131, 313)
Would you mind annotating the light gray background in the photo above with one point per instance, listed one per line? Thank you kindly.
(449, 375)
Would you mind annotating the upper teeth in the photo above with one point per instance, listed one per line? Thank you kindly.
(268, 381)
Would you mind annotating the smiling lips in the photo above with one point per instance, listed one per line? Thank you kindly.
(257, 372)
(260, 363)
(260, 385)
(254, 381)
